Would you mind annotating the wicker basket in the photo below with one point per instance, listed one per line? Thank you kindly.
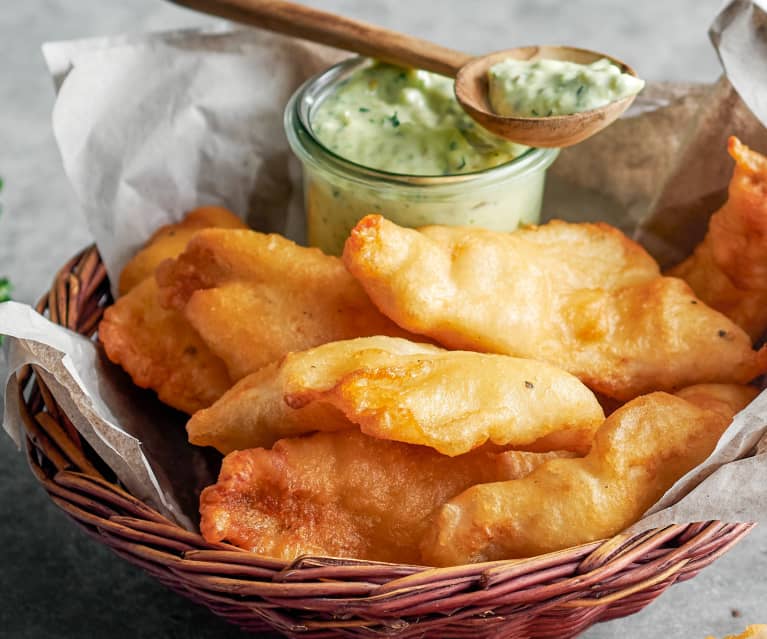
(554, 595)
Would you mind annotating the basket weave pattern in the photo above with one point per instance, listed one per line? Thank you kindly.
(554, 595)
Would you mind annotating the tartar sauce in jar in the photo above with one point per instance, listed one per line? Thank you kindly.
(406, 121)
(540, 88)
(374, 138)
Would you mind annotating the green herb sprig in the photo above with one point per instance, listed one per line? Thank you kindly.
(5, 285)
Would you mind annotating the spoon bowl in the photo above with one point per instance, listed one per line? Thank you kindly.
(471, 91)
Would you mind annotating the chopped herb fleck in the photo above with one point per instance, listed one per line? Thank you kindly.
(462, 164)
(693, 301)
(722, 333)
(534, 112)
(394, 120)
(453, 145)
(364, 109)
(580, 90)
(529, 384)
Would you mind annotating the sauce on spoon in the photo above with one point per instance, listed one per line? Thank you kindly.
(542, 88)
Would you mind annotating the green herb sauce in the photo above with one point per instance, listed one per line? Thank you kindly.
(406, 121)
(541, 88)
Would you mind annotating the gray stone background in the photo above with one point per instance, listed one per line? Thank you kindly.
(54, 582)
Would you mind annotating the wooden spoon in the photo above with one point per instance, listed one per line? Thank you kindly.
(470, 72)
(471, 90)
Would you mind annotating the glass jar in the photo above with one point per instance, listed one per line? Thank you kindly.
(338, 192)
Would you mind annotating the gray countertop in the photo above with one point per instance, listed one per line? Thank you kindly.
(54, 581)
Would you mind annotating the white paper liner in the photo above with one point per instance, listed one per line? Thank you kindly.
(101, 406)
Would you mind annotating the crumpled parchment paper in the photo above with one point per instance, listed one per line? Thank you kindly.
(152, 126)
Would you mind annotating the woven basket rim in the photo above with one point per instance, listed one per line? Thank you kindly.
(323, 596)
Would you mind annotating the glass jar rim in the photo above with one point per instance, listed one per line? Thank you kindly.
(309, 149)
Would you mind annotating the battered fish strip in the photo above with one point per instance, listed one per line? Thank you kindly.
(452, 401)
(343, 494)
(638, 454)
(253, 413)
(160, 350)
(170, 241)
(580, 296)
(255, 297)
(728, 270)
(157, 347)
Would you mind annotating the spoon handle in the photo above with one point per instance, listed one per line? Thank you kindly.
(327, 28)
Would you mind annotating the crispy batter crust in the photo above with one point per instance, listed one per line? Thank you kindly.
(398, 390)
(160, 350)
(728, 270)
(580, 296)
(343, 494)
(255, 297)
(170, 240)
(157, 347)
(638, 454)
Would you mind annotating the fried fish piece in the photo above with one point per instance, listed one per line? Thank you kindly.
(160, 350)
(171, 239)
(724, 399)
(452, 401)
(655, 336)
(754, 631)
(255, 297)
(580, 296)
(728, 270)
(343, 494)
(157, 347)
(638, 454)
(253, 413)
